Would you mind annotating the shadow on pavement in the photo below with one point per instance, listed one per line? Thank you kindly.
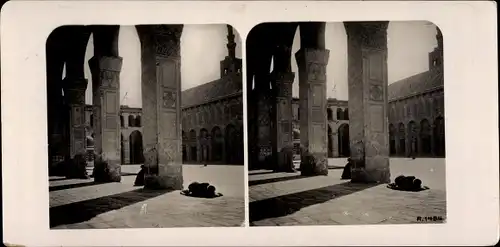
(291, 203)
(75, 185)
(58, 179)
(85, 210)
(260, 173)
(274, 180)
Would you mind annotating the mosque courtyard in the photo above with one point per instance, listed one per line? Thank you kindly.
(284, 199)
(83, 204)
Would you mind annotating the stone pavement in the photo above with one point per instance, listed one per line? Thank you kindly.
(83, 204)
(288, 199)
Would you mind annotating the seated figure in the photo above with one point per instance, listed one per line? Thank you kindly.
(139, 179)
(346, 174)
(204, 190)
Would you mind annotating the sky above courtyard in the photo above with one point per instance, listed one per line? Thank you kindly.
(203, 46)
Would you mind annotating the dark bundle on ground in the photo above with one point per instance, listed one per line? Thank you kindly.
(346, 174)
(407, 183)
(139, 179)
(204, 190)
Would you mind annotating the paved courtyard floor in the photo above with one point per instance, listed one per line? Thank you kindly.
(290, 199)
(83, 204)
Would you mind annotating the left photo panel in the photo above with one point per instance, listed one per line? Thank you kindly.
(145, 126)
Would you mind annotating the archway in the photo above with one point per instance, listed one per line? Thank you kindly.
(138, 121)
(131, 122)
(392, 140)
(329, 113)
(344, 149)
(204, 145)
(330, 143)
(346, 114)
(231, 139)
(439, 137)
(412, 138)
(193, 146)
(122, 149)
(136, 153)
(340, 114)
(217, 144)
(402, 140)
(184, 150)
(425, 137)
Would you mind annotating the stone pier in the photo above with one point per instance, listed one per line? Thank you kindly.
(106, 100)
(161, 105)
(368, 112)
(264, 142)
(75, 94)
(313, 120)
(283, 117)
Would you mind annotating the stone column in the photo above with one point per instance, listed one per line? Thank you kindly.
(335, 144)
(161, 105)
(283, 116)
(313, 120)
(74, 92)
(126, 149)
(106, 100)
(264, 145)
(368, 111)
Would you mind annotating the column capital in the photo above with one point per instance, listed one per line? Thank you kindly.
(309, 55)
(74, 90)
(106, 63)
(76, 84)
(368, 34)
(283, 77)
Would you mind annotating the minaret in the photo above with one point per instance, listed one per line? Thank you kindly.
(231, 45)
(439, 38)
(436, 56)
(230, 65)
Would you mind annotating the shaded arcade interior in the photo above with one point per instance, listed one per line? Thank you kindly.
(111, 134)
(363, 127)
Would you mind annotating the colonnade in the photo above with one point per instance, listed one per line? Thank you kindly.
(270, 119)
(161, 97)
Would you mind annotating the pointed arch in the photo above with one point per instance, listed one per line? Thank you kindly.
(122, 121)
(330, 142)
(204, 145)
(233, 145)
(217, 144)
(193, 148)
(412, 138)
(122, 149)
(184, 149)
(136, 151)
(131, 121)
(402, 139)
(392, 139)
(340, 114)
(425, 137)
(138, 121)
(329, 114)
(344, 146)
(439, 137)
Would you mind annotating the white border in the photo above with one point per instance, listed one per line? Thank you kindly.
(469, 30)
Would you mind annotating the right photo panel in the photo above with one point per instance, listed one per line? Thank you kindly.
(346, 123)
